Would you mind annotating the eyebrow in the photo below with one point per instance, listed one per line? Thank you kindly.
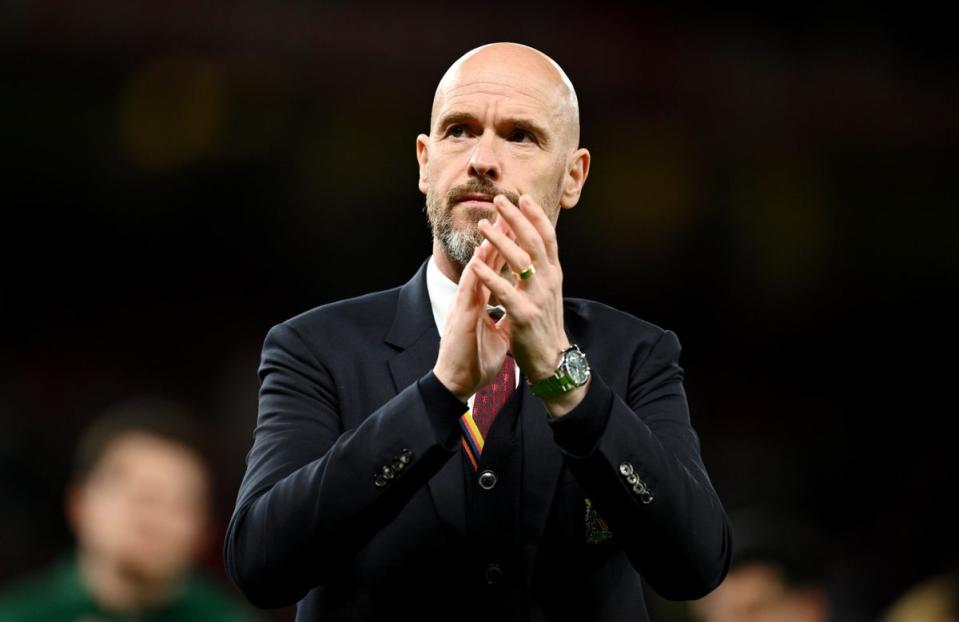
(521, 123)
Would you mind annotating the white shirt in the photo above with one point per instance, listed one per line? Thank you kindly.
(442, 293)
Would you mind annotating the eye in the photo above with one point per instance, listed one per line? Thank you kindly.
(457, 131)
(521, 136)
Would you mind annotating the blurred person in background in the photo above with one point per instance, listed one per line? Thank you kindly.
(138, 505)
(933, 600)
(778, 573)
(492, 473)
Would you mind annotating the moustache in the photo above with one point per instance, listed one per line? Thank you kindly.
(459, 193)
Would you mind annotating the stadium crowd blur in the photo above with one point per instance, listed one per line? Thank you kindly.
(779, 187)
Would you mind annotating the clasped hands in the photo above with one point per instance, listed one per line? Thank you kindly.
(473, 345)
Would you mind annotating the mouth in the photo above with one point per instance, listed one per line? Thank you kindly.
(476, 199)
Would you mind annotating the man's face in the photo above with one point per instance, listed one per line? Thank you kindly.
(143, 507)
(756, 592)
(496, 129)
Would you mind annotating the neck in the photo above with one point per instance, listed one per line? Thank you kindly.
(119, 589)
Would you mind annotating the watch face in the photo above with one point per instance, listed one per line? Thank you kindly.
(577, 366)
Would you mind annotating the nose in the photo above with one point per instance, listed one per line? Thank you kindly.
(484, 161)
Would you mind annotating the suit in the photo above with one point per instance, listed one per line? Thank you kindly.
(353, 501)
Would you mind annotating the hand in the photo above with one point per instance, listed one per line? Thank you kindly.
(473, 346)
(534, 306)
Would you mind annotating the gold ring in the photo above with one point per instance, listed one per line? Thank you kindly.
(528, 272)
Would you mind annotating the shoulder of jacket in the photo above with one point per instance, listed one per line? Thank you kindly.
(584, 312)
(359, 310)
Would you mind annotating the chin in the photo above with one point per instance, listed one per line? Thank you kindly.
(475, 213)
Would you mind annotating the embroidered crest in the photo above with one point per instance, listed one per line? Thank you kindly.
(597, 529)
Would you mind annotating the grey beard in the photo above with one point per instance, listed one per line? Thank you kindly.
(459, 245)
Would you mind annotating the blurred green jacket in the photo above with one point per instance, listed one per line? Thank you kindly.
(59, 595)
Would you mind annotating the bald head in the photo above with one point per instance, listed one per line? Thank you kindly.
(526, 69)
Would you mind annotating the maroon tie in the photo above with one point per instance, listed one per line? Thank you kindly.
(490, 399)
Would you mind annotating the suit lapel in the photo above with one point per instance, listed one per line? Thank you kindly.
(414, 333)
(412, 363)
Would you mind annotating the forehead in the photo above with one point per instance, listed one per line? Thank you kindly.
(134, 454)
(499, 89)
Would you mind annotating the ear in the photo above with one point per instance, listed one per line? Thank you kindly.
(422, 156)
(576, 174)
(73, 499)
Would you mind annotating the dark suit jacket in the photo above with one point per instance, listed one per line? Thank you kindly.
(347, 387)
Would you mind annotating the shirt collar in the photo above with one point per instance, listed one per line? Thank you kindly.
(442, 293)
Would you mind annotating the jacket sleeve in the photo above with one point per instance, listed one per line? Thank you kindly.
(638, 458)
(314, 493)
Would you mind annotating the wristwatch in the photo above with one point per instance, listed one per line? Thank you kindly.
(572, 372)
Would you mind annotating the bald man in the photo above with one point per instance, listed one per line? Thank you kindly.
(473, 445)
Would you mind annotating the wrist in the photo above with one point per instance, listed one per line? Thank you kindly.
(565, 387)
(547, 367)
(459, 392)
(562, 404)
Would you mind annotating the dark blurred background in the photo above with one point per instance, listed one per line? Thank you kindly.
(776, 187)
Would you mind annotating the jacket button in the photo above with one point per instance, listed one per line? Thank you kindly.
(487, 479)
(379, 482)
(397, 464)
(626, 469)
(645, 496)
(406, 456)
(386, 472)
(494, 574)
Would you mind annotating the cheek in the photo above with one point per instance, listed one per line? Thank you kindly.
(101, 514)
(447, 160)
(170, 535)
(543, 179)
(183, 532)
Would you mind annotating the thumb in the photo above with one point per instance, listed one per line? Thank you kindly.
(503, 327)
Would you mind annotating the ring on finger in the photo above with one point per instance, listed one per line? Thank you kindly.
(527, 273)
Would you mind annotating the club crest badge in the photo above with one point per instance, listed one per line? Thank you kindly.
(597, 529)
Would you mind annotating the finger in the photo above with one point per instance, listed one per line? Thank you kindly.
(501, 225)
(527, 236)
(509, 296)
(497, 261)
(480, 293)
(482, 252)
(504, 326)
(516, 257)
(468, 293)
(537, 215)
(493, 258)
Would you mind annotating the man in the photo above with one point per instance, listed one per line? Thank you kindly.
(778, 573)
(934, 599)
(138, 506)
(395, 474)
